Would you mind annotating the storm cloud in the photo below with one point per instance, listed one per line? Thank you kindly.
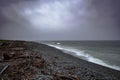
(60, 19)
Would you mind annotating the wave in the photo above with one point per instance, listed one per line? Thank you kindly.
(82, 55)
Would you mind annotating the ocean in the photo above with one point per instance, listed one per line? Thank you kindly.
(105, 53)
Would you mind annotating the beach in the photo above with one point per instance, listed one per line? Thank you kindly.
(62, 66)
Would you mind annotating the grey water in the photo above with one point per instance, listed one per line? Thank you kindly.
(105, 53)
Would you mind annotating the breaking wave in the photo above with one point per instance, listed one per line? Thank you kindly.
(82, 55)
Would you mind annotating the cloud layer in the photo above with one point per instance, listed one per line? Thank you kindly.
(61, 19)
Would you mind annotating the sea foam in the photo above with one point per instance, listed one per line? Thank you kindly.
(81, 54)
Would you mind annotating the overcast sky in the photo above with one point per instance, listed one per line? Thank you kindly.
(60, 19)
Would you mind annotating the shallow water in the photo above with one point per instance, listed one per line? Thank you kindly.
(106, 53)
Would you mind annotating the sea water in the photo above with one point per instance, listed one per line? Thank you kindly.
(105, 53)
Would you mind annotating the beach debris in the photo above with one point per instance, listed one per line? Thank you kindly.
(4, 68)
(24, 66)
(4, 44)
(17, 48)
(1, 57)
(63, 77)
(23, 63)
(8, 55)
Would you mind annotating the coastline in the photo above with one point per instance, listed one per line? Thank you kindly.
(62, 66)
(82, 55)
(91, 67)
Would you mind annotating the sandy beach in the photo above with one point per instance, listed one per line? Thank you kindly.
(62, 66)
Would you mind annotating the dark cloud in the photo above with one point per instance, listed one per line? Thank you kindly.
(60, 19)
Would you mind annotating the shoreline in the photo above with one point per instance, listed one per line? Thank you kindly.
(57, 65)
(108, 72)
(78, 55)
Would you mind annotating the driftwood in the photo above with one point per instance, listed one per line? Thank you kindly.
(4, 69)
(24, 64)
(63, 77)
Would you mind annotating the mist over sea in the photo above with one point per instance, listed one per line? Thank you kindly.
(105, 53)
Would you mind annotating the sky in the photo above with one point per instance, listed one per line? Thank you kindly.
(60, 19)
